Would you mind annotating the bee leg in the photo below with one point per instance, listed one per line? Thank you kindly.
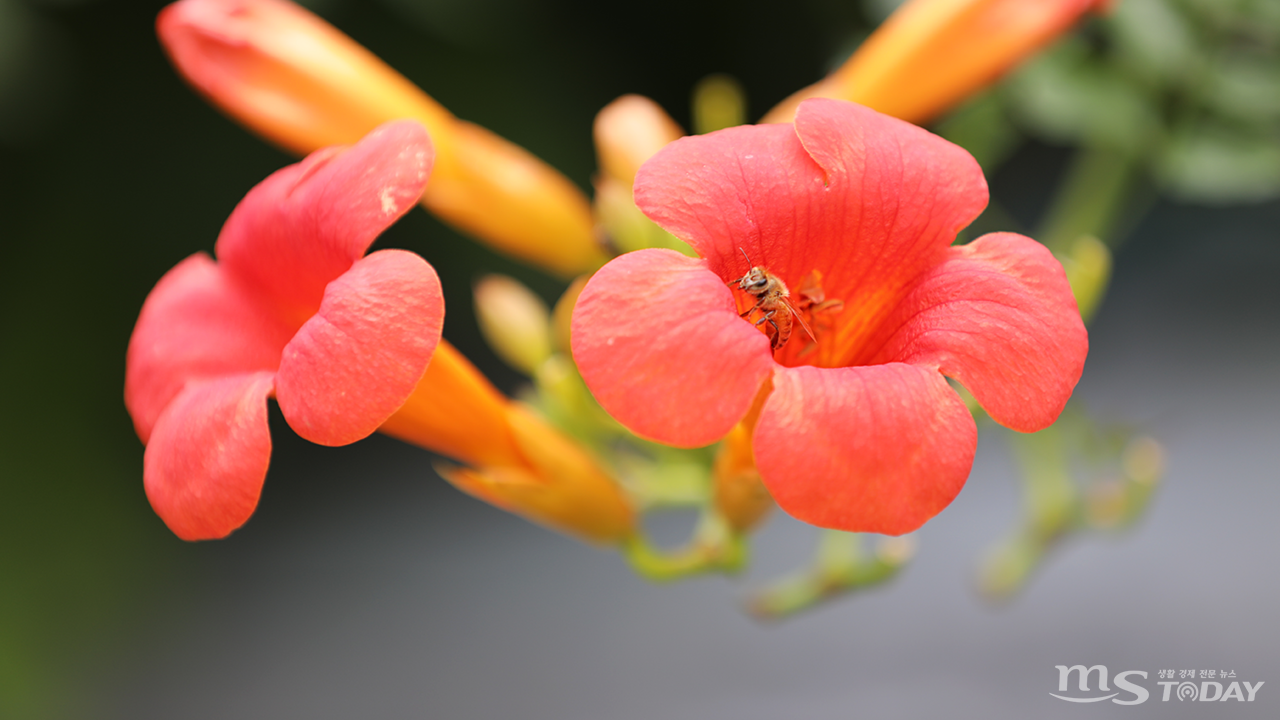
(775, 340)
(777, 332)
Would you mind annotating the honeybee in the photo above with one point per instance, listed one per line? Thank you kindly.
(773, 304)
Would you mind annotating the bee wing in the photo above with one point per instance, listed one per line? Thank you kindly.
(799, 318)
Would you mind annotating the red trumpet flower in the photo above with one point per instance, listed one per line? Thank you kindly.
(291, 309)
(855, 424)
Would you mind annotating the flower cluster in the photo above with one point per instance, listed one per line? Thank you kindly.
(816, 332)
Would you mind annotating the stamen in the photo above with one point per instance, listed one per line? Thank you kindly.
(813, 304)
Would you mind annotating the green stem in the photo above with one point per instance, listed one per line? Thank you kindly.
(1051, 504)
(840, 566)
(1051, 498)
(713, 548)
(1097, 187)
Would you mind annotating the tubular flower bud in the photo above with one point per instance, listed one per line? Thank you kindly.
(515, 322)
(718, 102)
(291, 77)
(628, 131)
(1088, 266)
(931, 54)
(518, 462)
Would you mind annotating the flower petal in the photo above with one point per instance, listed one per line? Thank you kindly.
(197, 323)
(208, 456)
(749, 189)
(660, 344)
(999, 317)
(867, 200)
(359, 357)
(864, 449)
(306, 224)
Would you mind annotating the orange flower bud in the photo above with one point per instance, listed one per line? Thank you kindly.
(456, 411)
(932, 54)
(629, 131)
(561, 487)
(302, 84)
(519, 462)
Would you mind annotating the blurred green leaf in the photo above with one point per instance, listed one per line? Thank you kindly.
(1091, 199)
(1245, 87)
(982, 127)
(1216, 164)
(1256, 19)
(1153, 39)
(1068, 96)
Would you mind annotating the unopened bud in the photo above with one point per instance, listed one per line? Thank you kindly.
(1088, 267)
(562, 317)
(1143, 460)
(519, 461)
(627, 228)
(1006, 568)
(629, 131)
(515, 322)
(293, 78)
(896, 551)
(931, 54)
(718, 103)
(560, 486)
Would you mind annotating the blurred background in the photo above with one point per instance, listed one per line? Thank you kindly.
(366, 587)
